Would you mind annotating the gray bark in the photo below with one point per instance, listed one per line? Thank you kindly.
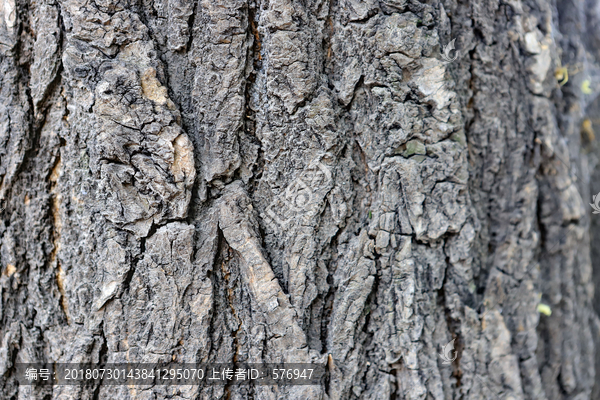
(303, 181)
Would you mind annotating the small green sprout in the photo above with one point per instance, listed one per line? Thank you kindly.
(544, 309)
(585, 87)
(562, 75)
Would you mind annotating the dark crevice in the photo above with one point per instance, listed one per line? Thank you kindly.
(360, 84)
(371, 304)
(22, 81)
(137, 259)
(230, 301)
(453, 327)
(221, 243)
(102, 360)
(328, 297)
(191, 22)
(253, 65)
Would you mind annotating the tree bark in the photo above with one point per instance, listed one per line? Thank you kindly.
(303, 181)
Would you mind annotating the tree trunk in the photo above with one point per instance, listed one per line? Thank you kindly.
(303, 182)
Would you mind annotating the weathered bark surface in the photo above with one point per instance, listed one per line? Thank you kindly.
(302, 181)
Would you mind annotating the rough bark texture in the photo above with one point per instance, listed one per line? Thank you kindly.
(303, 181)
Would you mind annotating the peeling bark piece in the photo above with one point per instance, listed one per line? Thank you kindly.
(135, 118)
